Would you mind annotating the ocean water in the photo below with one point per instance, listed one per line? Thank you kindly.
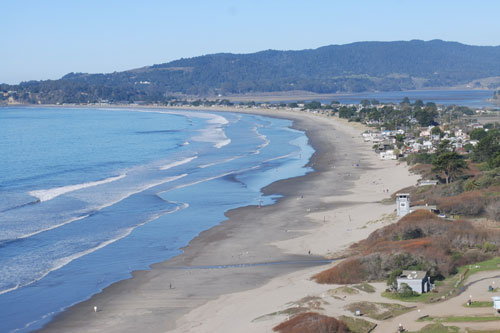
(89, 195)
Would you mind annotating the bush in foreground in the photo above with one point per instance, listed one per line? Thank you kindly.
(311, 322)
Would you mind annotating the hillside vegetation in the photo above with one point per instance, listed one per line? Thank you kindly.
(421, 241)
(355, 67)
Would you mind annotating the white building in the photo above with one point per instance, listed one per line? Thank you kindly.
(403, 203)
(388, 155)
(418, 281)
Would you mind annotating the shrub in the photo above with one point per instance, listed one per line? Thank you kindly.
(418, 241)
(468, 203)
(348, 271)
(311, 322)
(493, 210)
(422, 158)
(392, 280)
(471, 185)
(406, 291)
(488, 247)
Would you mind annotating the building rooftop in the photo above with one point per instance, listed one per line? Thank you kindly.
(413, 275)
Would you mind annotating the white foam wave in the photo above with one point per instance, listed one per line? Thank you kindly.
(264, 138)
(17, 286)
(212, 178)
(125, 196)
(219, 162)
(53, 226)
(281, 157)
(214, 134)
(177, 163)
(222, 143)
(49, 194)
(57, 264)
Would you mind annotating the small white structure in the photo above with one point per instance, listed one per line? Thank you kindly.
(388, 155)
(403, 203)
(496, 302)
(425, 182)
(418, 281)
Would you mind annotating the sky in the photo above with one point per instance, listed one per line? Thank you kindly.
(47, 39)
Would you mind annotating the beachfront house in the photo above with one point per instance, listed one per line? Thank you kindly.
(403, 203)
(418, 281)
(388, 155)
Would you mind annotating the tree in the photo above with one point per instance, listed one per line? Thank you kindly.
(477, 134)
(365, 103)
(450, 163)
(313, 105)
(444, 146)
(437, 131)
(487, 146)
(426, 116)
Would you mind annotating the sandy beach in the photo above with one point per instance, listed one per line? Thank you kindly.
(260, 261)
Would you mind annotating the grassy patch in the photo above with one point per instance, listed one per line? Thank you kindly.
(480, 304)
(450, 286)
(422, 298)
(367, 288)
(387, 201)
(378, 311)
(488, 265)
(358, 325)
(438, 328)
(288, 312)
(462, 319)
(309, 302)
(303, 305)
(343, 291)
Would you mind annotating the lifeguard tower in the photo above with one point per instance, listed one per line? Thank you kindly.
(403, 203)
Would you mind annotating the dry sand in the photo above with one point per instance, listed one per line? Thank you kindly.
(233, 275)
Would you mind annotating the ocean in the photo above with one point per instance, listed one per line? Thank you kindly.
(89, 195)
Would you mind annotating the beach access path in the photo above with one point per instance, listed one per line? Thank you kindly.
(260, 260)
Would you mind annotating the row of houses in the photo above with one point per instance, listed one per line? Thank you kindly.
(385, 141)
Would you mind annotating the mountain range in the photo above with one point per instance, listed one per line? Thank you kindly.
(356, 67)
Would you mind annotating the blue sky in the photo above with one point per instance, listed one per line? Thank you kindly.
(47, 39)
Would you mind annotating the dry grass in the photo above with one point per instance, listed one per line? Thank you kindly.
(311, 322)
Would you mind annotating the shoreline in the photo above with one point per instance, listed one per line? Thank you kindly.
(146, 300)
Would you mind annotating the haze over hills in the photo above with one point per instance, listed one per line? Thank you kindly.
(356, 67)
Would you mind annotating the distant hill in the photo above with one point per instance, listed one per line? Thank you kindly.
(356, 67)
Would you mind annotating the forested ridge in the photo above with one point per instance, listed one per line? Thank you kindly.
(356, 67)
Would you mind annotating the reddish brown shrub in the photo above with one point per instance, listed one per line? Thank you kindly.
(420, 239)
(311, 322)
(348, 271)
(468, 203)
